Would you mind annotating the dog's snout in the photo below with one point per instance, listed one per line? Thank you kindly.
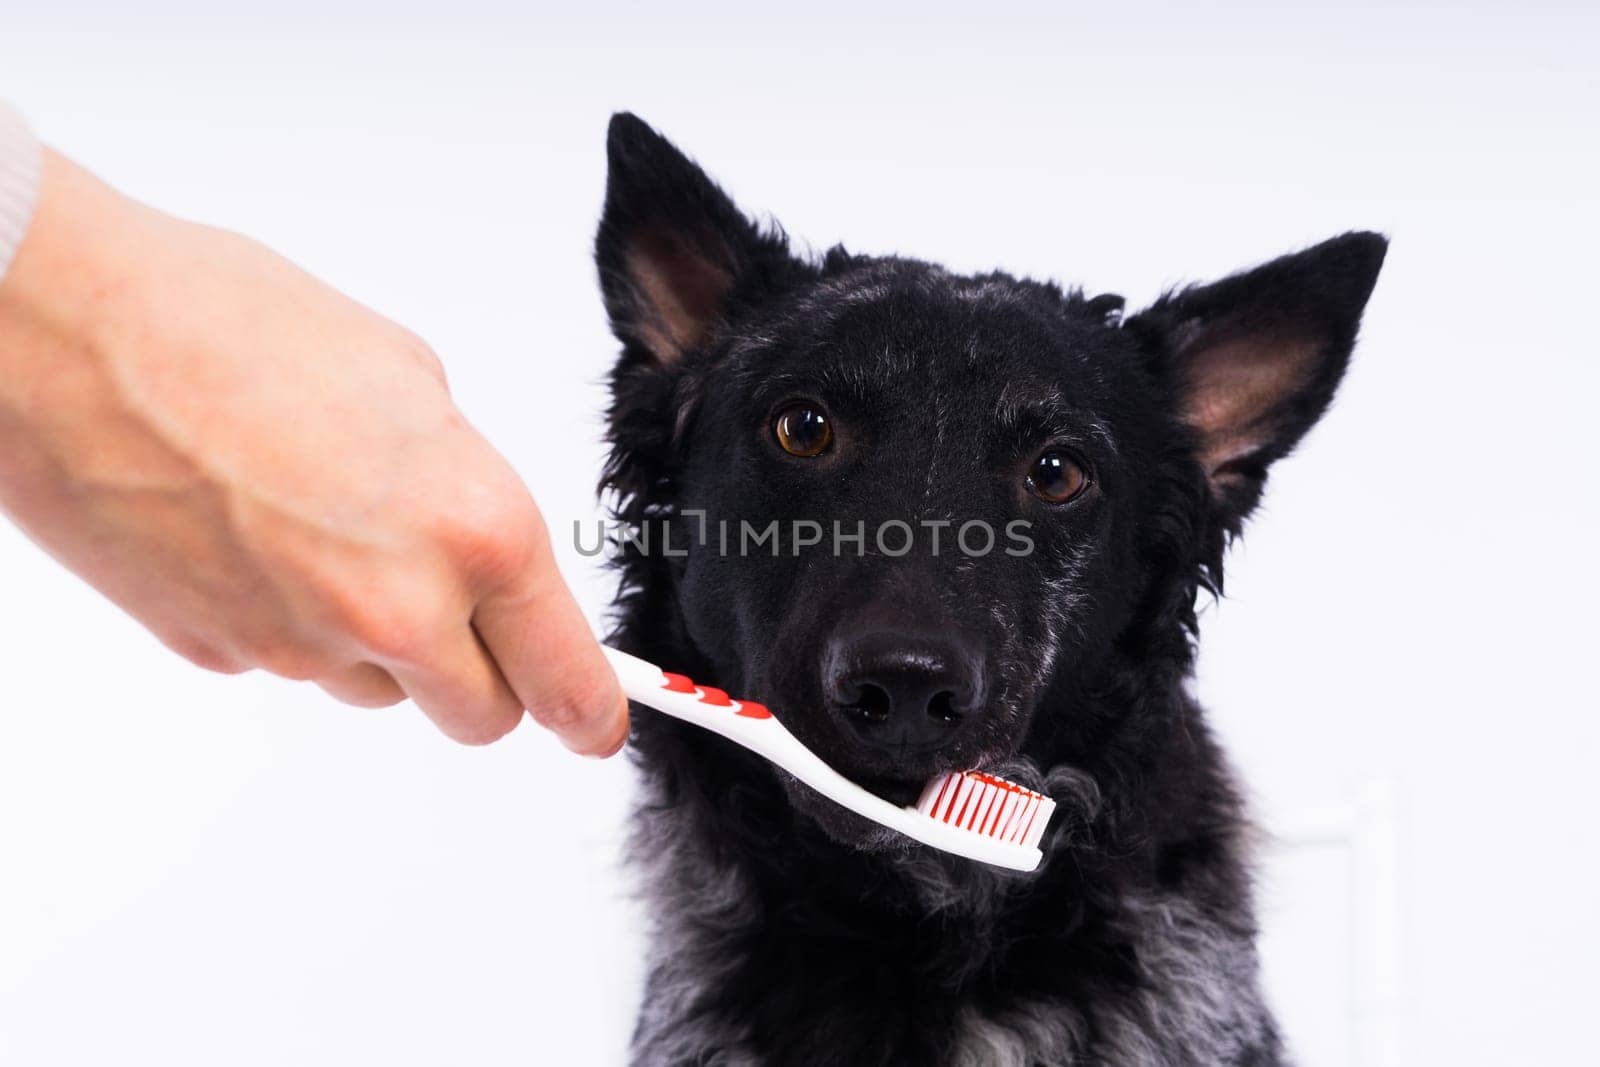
(900, 691)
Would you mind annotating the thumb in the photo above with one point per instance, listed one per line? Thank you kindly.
(534, 629)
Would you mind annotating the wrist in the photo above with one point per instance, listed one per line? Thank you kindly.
(79, 255)
(20, 157)
(58, 301)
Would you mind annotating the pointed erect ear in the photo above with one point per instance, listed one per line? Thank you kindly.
(1255, 358)
(674, 253)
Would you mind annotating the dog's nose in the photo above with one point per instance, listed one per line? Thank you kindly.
(898, 691)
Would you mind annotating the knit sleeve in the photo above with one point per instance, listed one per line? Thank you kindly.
(20, 157)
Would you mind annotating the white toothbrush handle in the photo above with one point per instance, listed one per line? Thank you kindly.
(752, 725)
(742, 721)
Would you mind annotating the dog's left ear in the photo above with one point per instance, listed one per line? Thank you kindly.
(675, 254)
(1255, 358)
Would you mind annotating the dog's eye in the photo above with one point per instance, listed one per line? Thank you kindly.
(803, 430)
(1056, 478)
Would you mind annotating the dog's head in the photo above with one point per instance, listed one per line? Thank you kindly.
(905, 504)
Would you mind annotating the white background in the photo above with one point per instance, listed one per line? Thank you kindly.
(202, 870)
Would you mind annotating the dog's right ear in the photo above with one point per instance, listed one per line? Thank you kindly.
(675, 255)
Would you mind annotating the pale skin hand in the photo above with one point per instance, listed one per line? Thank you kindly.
(267, 474)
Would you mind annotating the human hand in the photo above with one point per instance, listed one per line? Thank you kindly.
(267, 474)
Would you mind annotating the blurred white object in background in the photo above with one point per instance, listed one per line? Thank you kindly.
(1331, 902)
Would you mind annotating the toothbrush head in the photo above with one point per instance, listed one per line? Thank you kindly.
(979, 803)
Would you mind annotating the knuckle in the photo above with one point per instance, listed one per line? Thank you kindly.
(392, 625)
(557, 715)
(206, 656)
(575, 705)
(494, 532)
(423, 353)
(365, 686)
(288, 659)
(484, 731)
(394, 636)
(368, 699)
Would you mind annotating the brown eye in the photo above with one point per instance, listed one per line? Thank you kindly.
(803, 430)
(1056, 478)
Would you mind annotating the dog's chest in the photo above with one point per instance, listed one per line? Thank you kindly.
(797, 995)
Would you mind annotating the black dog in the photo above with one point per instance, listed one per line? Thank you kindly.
(759, 400)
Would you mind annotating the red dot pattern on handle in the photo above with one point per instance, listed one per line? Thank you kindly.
(716, 698)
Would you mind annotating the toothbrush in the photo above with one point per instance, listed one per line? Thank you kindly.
(967, 813)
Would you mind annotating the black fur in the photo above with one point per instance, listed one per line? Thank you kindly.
(787, 933)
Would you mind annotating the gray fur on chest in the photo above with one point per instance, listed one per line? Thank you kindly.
(1199, 1003)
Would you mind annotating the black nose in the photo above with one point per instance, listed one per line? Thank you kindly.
(897, 690)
